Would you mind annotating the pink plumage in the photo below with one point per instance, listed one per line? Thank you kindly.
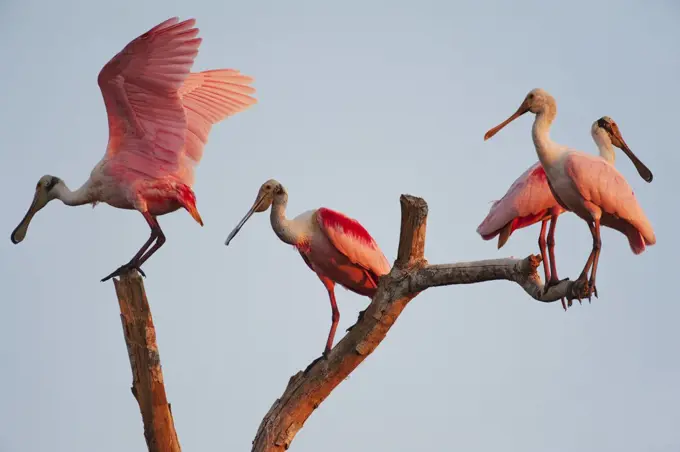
(605, 193)
(527, 202)
(334, 246)
(160, 114)
(159, 117)
(589, 186)
(352, 240)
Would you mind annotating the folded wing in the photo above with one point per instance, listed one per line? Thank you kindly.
(351, 239)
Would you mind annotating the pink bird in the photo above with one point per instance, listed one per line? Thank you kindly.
(337, 248)
(587, 185)
(159, 116)
(529, 200)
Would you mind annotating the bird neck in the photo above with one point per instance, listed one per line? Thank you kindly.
(282, 226)
(548, 151)
(605, 146)
(73, 198)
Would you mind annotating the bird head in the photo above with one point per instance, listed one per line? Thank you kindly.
(536, 101)
(271, 192)
(45, 191)
(607, 125)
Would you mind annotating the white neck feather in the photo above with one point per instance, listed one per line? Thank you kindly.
(285, 229)
(79, 197)
(604, 144)
(548, 151)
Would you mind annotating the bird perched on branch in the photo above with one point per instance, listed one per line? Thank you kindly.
(587, 185)
(160, 115)
(529, 200)
(337, 248)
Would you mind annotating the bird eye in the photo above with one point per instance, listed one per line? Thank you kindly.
(267, 187)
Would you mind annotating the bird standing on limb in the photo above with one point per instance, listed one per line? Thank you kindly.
(337, 248)
(160, 115)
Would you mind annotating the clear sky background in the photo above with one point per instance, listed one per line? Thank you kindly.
(359, 102)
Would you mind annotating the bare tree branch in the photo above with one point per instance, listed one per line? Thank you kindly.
(410, 275)
(145, 361)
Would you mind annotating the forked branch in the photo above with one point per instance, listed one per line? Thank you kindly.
(145, 361)
(410, 275)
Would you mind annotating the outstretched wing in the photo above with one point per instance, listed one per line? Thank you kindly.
(147, 122)
(526, 202)
(351, 239)
(602, 184)
(209, 97)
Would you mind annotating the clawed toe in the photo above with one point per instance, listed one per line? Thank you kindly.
(361, 316)
(124, 269)
(553, 282)
(324, 356)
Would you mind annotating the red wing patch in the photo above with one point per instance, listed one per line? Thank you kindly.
(332, 219)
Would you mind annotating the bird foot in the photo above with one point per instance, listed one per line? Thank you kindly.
(592, 289)
(124, 269)
(361, 316)
(584, 289)
(323, 357)
(553, 282)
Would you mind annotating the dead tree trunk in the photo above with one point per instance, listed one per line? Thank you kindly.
(410, 275)
(145, 361)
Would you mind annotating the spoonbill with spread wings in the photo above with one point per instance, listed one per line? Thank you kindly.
(159, 118)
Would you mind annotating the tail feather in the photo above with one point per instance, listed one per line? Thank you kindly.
(504, 235)
(636, 240)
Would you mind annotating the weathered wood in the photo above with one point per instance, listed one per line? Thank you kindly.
(410, 275)
(147, 376)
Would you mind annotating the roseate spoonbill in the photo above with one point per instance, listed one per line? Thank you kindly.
(337, 248)
(529, 200)
(159, 117)
(587, 185)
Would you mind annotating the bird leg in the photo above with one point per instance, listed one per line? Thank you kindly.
(544, 254)
(139, 258)
(597, 247)
(595, 232)
(335, 318)
(159, 242)
(330, 287)
(554, 279)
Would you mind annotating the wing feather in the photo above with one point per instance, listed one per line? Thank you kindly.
(209, 97)
(351, 239)
(599, 182)
(526, 202)
(159, 113)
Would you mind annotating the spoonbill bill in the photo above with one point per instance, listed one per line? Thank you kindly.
(585, 184)
(335, 247)
(159, 117)
(529, 200)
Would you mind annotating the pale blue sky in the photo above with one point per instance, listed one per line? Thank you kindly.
(359, 101)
